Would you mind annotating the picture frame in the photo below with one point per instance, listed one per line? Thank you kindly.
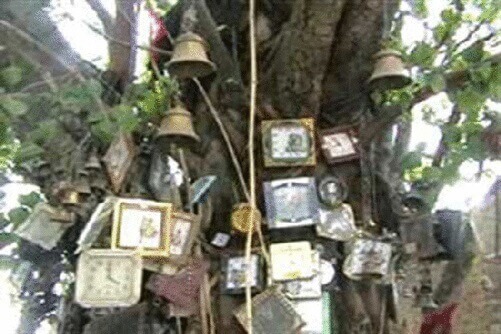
(339, 144)
(306, 288)
(233, 268)
(142, 225)
(291, 202)
(184, 228)
(288, 142)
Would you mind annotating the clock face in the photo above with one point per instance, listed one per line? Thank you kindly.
(291, 204)
(108, 278)
(288, 143)
(332, 191)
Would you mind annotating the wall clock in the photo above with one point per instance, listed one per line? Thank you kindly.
(289, 142)
(339, 144)
(108, 278)
(233, 269)
(291, 202)
(142, 225)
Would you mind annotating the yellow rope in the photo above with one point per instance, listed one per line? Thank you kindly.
(252, 169)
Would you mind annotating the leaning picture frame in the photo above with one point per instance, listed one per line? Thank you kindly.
(142, 225)
(339, 144)
(184, 228)
(233, 273)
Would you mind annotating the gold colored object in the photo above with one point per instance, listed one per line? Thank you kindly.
(389, 71)
(70, 196)
(289, 142)
(177, 123)
(190, 58)
(240, 218)
(142, 225)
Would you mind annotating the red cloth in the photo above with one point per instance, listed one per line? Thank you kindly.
(439, 321)
(159, 35)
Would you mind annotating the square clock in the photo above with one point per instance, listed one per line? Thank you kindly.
(108, 278)
(339, 144)
(291, 202)
(289, 142)
(142, 225)
(233, 270)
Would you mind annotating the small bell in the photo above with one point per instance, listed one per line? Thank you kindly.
(389, 71)
(240, 218)
(93, 163)
(177, 123)
(82, 185)
(190, 57)
(70, 196)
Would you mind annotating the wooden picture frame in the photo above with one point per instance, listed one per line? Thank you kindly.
(184, 228)
(346, 140)
(306, 143)
(143, 226)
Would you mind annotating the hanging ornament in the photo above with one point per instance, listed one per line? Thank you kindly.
(177, 124)
(190, 58)
(240, 218)
(389, 71)
(119, 159)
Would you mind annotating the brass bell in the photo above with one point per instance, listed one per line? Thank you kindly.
(240, 218)
(177, 122)
(389, 71)
(82, 185)
(189, 59)
(70, 196)
(93, 163)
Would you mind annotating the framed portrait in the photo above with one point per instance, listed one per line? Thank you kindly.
(233, 269)
(184, 228)
(142, 225)
(289, 142)
(339, 144)
(291, 202)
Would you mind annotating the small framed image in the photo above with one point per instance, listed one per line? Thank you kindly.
(233, 269)
(184, 228)
(306, 288)
(339, 144)
(142, 225)
(291, 202)
(289, 142)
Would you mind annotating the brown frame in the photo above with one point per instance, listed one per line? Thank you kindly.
(267, 125)
(352, 133)
(192, 234)
(166, 217)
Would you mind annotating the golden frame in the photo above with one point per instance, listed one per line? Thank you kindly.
(165, 210)
(307, 123)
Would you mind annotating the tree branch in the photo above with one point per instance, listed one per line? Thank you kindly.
(103, 14)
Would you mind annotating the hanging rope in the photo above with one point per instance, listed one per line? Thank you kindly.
(252, 169)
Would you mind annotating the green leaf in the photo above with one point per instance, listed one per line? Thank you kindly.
(451, 16)
(411, 160)
(7, 262)
(421, 8)
(104, 130)
(46, 131)
(126, 119)
(11, 76)
(31, 199)
(13, 107)
(437, 82)
(18, 215)
(8, 238)
(423, 55)
(474, 53)
(470, 100)
(27, 152)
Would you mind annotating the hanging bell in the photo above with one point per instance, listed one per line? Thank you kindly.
(177, 123)
(93, 163)
(190, 57)
(70, 196)
(82, 185)
(389, 71)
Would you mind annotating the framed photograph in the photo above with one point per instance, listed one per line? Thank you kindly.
(233, 269)
(291, 261)
(291, 202)
(142, 225)
(184, 229)
(339, 144)
(306, 288)
(289, 142)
